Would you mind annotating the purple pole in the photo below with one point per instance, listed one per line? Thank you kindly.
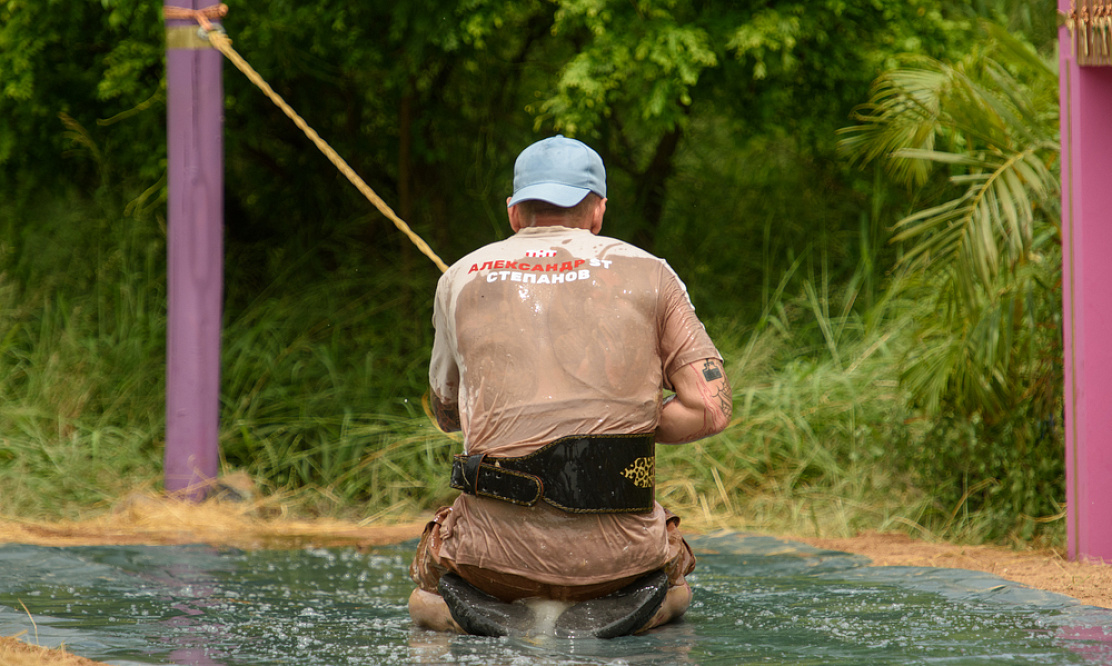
(194, 100)
(1086, 97)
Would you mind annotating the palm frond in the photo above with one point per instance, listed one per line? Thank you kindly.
(904, 112)
(987, 127)
(992, 223)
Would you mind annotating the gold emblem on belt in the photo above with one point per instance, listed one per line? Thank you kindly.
(641, 472)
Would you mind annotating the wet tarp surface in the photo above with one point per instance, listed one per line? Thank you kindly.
(758, 600)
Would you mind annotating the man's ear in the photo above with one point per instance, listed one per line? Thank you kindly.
(515, 216)
(596, 216)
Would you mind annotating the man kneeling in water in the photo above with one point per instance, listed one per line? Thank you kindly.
(552, 352)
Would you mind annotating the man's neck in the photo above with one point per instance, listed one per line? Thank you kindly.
(558, 222)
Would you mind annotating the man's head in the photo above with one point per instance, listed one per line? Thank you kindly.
(558, 181)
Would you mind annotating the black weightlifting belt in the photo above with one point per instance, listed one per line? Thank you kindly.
(579, 474)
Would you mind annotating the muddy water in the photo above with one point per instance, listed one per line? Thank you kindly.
(757, 600)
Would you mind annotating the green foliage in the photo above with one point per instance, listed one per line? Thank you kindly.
(989, 250)
(860, 403)
(416, 94)
(817, 414)
(322, 377)
(90, 62)
(319, 380)
(82, 356)
(986, 258)
(644, 57)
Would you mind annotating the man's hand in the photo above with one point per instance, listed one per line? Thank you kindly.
(702, 405)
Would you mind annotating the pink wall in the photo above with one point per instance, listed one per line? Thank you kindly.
(1086, 96)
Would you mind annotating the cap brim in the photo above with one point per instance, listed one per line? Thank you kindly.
(556, 194)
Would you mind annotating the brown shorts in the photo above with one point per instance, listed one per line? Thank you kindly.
(427, 568)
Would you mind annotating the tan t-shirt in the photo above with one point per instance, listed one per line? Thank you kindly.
(549, 333)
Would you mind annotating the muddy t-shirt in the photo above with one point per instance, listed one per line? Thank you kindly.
(550, 333)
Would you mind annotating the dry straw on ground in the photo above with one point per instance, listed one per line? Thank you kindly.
(248, 522)
(14, 652)
(1088, 582)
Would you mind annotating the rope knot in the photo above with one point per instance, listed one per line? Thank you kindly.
(201, 16)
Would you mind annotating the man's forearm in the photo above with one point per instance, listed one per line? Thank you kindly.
(701, 407)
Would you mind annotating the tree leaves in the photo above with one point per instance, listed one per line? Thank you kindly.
(769, 32)
(642, 57)
(989, 124)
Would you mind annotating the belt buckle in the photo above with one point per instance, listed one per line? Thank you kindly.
(471, 472)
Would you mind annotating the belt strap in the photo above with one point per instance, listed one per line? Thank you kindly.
(579, 474)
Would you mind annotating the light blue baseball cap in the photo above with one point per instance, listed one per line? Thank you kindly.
(558, 170)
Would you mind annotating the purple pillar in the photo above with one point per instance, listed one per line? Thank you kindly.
(1086, 98)
(195, 171)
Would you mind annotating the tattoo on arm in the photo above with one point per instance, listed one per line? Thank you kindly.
(712, 370)
(702, 405)
(717, 390)
(715, 399)
(725, 400)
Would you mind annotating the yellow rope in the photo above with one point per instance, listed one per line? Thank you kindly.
(223, 44)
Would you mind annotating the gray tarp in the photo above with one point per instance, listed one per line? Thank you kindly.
(757, 600)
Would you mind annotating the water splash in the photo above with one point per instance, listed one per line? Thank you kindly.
(545, 613)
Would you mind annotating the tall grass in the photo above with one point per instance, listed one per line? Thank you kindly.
(826, 441)
(817, 415)
(323, 373)
(81, 354)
